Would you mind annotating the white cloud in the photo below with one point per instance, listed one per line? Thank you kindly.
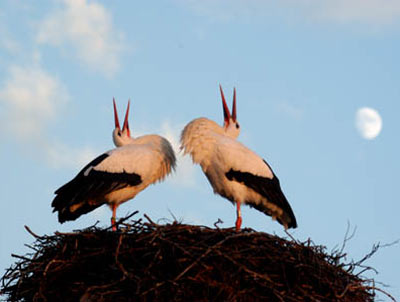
(8, 43)
(367, 12)
(30, 98)
(88, 29)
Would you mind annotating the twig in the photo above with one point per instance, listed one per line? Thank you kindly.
(20, 257)
(32, 233)
(149, 220)
(382, 291)
(347, 237)
(206, 253)
(122, 220)
(121, 267)
(219, 221)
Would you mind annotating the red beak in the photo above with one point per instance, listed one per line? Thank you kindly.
(116, 115)
(227, 115)
(234, 105)
(126, 124)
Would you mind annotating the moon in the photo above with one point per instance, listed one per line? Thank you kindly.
(368, 123)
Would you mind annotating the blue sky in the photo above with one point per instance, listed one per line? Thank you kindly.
(302, 69)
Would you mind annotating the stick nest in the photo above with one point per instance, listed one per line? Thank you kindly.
(145, 261)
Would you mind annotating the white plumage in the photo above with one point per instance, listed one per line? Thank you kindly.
(117, 175)
(234, 171)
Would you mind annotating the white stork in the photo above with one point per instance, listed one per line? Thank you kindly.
(234, 171)
(117, 175)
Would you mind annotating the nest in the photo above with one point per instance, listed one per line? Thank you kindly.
(145, 261)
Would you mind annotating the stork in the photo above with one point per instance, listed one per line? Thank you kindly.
(117, 175)
(233, 170)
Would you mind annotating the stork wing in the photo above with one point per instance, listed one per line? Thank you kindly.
(83, 193)
(245, 166)
(271, 190)
(232, 154)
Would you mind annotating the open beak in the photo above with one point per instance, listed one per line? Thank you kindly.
(227, 114)
(126, 123)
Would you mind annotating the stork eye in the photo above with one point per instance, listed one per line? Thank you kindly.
(237, 126)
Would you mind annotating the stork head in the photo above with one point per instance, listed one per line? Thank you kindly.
(121, 136)
(231, 125)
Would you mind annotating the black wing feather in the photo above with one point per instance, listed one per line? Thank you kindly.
(269, 188)
(91, 186)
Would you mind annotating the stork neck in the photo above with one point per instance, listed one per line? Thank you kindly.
(121, 138)
(232, 129)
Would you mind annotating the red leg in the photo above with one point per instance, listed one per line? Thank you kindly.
(113, 219)
(238, 217)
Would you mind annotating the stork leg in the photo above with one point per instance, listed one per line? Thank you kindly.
(238, 216)
(113, 219)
